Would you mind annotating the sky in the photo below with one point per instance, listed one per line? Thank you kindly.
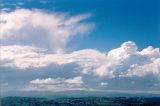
(68, 45)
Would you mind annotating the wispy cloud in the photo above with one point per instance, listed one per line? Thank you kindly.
(36, 27)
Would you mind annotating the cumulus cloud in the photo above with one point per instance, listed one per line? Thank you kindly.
(55, 84)
(152, 67)
(44, 29)
(120, 62)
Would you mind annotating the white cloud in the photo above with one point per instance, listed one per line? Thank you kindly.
(21, 56)
(120, 62)
(47, 81)
(37, 27)
(152, 67)
(29, 56)
(75, 80)
(104, 84)
(55, 84)
(126, 49)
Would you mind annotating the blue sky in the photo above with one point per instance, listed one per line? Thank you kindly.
(98, 45)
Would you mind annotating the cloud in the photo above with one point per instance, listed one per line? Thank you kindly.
(29, 56)
(55, 84)
(152, 67)
(123, 68)
(35, 56)
(33, 46)
(104, 84)
(120, 62)
(21, 56)
(75, 80)
(44, 29)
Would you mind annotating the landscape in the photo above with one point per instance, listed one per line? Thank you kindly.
(79, 52)
(85, 101)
